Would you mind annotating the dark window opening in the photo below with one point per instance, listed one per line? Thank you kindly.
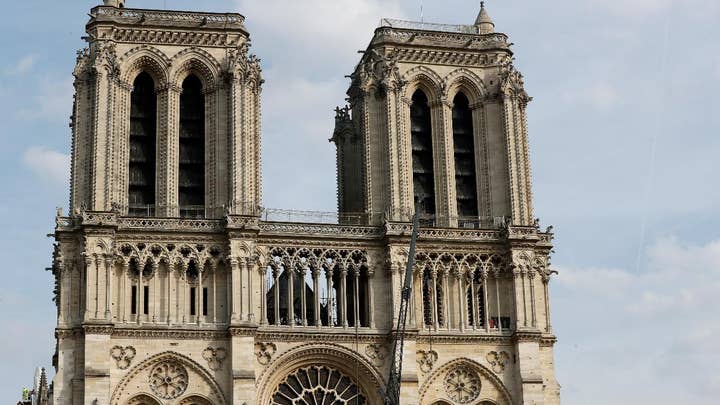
(141, 170)
(476, 310)
(146, 299)
(465, 178)
(427, 297)
(191, 185)
(192, 301)
(422, 154)
(133, 300)
(205, 301)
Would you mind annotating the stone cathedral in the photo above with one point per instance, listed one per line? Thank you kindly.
(175, 286)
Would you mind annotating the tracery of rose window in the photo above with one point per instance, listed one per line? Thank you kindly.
(318, 385)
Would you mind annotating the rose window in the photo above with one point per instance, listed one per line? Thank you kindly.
(318, 385)
(462, 384)
(168, 380)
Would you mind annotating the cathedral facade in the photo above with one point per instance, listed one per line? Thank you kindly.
(174, 285)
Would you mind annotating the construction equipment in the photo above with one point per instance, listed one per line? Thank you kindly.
(392, 389)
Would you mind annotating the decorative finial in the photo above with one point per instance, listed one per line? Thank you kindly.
(115, 3)
(483, 22)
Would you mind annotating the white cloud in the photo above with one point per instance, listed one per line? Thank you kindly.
(600, 96)
(53, 101)
(642, 8)
(314, 38)
(22, 66)
(48, 164)
(663, 320)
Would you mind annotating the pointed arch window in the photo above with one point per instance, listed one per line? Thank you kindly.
(465, 178)
(422, 154)
(191, 173)
(141, 164)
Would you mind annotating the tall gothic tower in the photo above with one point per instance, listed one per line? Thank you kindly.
(174, 286)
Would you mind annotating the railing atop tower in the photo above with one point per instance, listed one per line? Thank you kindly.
(423, 26)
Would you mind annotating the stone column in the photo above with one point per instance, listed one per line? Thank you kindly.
(109, 261)
(233, 293)
(316, 300)
(343, 296)
(371, 298)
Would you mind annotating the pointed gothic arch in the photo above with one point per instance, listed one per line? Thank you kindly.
(345, 364)
(435, 389)
(198, 62)
(143, 399)
(425, 79)
(195, 380)
(145, 58)
(464, 81)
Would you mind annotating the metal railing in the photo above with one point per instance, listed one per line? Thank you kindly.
(141, 210)
(317, 217)
(416, 25)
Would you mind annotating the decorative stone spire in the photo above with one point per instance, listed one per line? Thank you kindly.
(483, 22)
(115, 3)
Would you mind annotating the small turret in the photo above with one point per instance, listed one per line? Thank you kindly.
(483, 22)
(115, 3)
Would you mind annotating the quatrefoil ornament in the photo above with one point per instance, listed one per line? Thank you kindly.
(214, 357)
(497, 360)
(123, 356)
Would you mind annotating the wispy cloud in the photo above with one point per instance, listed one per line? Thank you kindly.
(600, 96)
(22, 66)
(50, 165)
(52, 102)
(677, 293)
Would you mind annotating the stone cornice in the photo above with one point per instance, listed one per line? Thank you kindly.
(439, 39)
(168, 19)
(330, 335)
(468, 337)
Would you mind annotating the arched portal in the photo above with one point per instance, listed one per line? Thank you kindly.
(143, 399)
(195, 400)
(168, 377)
(320, 374)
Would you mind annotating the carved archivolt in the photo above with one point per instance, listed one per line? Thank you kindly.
(168, 375)
(466, 81)
(144, 58)
(197, 61)
(463, 380)
(331, 357)
(424, 78)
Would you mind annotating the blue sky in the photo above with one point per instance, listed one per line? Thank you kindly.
(624, 151)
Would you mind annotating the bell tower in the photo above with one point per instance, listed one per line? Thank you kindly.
(436, 115)
(166, 116)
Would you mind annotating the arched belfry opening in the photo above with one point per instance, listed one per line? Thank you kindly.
(464, 151)
(191, 173)
(422, 154)
(143, 133)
